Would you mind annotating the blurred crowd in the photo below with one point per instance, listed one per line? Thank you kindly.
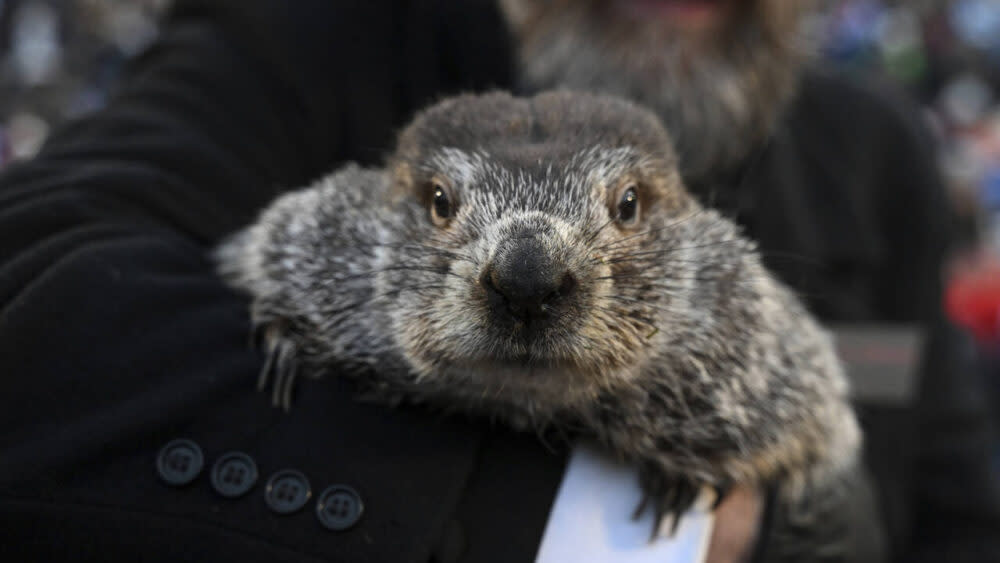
(947, 55)
(58, 59)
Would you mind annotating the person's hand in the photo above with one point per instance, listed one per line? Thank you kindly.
(737, 522)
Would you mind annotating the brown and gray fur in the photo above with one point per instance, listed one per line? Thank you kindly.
(718, 92)
(676, 349)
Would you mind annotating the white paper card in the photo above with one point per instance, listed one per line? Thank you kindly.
(591, 520)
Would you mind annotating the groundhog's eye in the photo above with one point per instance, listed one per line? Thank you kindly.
(442, 207)
(628, 206)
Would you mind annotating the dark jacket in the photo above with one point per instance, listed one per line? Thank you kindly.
(116, 336)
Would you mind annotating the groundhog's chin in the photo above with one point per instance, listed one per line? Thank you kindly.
(542, 389)
(522, 368)
(540, 385)
(560, 365)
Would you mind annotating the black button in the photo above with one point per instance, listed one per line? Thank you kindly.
(287, 491)
(233, 474)
(339, 507)
(179, 462)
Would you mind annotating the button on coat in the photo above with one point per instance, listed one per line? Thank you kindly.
(233, 474)
(287, 491)
(179, 462)
(339, 507)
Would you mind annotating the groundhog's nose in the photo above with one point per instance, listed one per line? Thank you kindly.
(525, 282)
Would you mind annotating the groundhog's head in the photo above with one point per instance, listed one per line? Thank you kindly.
(527, 253)
(553, 244)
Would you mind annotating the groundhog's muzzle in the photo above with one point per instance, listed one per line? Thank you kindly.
(525, 282)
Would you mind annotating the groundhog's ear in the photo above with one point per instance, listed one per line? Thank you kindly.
(400, 178)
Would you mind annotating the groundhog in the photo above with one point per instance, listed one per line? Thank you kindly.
(539, 262)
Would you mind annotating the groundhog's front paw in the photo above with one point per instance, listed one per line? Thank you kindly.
(670, 496)
(281, 362)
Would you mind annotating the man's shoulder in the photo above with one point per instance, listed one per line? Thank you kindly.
(866, 109)
(871, 128)
(867, 96)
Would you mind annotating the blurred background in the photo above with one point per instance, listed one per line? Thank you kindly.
(58, 59)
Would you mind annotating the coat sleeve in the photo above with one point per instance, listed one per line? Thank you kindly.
(116, 335)
(105, 284)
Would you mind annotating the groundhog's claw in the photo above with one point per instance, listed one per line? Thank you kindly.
(670, 497)
(280, 360)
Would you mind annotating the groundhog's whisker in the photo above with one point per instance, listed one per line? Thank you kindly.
(794, 257)
(617, 242)
(375, 296)
(428, 249)
(640, 273)
(642, 320)
(723, 278)
(399, 290)
(662, 251)
(589, 238)
(650, 285)
(408, 267)
(666, 308)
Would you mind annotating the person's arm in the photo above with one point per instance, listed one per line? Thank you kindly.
(955, 500)
(104, 235)
(116, 335)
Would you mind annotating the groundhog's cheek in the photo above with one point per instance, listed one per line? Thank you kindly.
(606, 333)
(437, 333)
(416, 338)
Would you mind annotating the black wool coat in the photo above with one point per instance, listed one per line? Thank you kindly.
(117, 338)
